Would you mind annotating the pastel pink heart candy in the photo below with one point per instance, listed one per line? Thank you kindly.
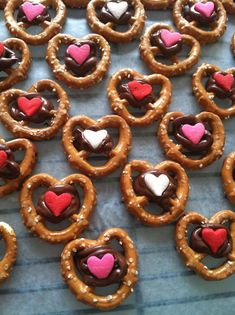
(79, 54)
(170, 38)
(100, 268)
(206, 8)
(225, 81)
(32, 10)
(194, 133)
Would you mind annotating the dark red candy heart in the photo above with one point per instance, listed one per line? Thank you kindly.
(214, 238)
(1, 49)
(57, 203)
(3, 159)
(139, 90)
(225, 81)
(29, 107)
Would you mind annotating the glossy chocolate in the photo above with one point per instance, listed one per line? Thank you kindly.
(44, 16)
(166, 51)
(211, 86)
(7, 59)
(106, 16)
(191, 14)
(10, 169)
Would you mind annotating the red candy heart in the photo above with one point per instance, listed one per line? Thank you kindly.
(29, 107)
(170, 38)
(225, 81)
(57, 203)
(1, 49)
(3, 159)
(214, 238)
(138, 90)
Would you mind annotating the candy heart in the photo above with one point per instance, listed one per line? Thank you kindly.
(225, 81)
(214, 238)
(29, 107)
(95, 138)
(205, 9)
(3, 158)
(100, 268)
(79, 54)
(1, 49)
(194, 133)
(57, 203)
(117, 9)
(32, 10)
(170, 38)
(156, 184)
(138, 90)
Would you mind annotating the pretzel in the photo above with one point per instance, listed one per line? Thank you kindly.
(220, 84)
(20, 108)
(60, 201)
(199, 139)
(210, 237)
(127, 87)
(76, 3)
(227, 174)
(207, 22)
(9, 258)
(34, 13)
(158, 4)
(166, 184)
(8, 58)
(86, 264)
(13, 172)
(229, 6)
(83, 136)
(161, 40)
(2, 4)
(114, 13)
(81, 58)
(233, 44)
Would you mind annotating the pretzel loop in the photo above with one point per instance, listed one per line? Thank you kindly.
(227, 172)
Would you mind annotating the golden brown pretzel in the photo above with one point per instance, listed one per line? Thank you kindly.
(86, 293)
(206, 98)
(64, 75)
(233, 44)
(229, 6)
(192, 258)
(136, 203)
(22, 128)
(192, 28)
(135, 24)
(116, 156)
(175, 151)
(76, 3)
(150, 53)
(227, 174)
(36, 222)
(50, 28)
(158, 4)
(9, 258)
(154, 111)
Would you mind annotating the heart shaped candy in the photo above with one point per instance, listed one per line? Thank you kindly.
(29, 107)
(3, 159)
(139, 90)
(100, 268)
(157, 184)
(214, 238)
(1, 49)
(206, 8)
(32, 10)
(170, 38)
(57, 203)
(79, 54)
(117, 9)
(95, 138)
(194, 133)
(225, 81)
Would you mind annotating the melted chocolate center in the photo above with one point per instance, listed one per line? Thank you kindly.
(191, 14)
(39, 19)
(156, 40)
(10, 169)
(7, 59)
(212, 86)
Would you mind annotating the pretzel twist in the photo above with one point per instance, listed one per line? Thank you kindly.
(227, 176)
(158, 4)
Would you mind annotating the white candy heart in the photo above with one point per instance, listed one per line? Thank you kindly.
(156, 184)
(95, 138)
(117, 9)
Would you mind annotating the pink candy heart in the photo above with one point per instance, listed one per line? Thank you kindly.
(170, 38)
(205, 9)
(100, 268)
(32, 10)
(194, 133)
(79, 54)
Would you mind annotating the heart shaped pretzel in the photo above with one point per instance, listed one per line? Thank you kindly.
(158, 4)
(220, 84)
(35, 16)
(194, 138)
(63, 74)
(116, 11)
(36, 222)
(161, 40)
(227, 174)
(9, 258)
(19, 124)
(76, 3)
(210, 238)
(191, 17)
(86, 293)
(136, 203)
(77, 157)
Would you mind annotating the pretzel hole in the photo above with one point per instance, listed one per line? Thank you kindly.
(212, 263)
(2, 247)
(19, 155)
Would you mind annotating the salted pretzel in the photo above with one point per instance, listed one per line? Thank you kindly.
(229, 6)
(209, 237)
(76, 3)
(104, 17)
(87, 264)
(82, 66)
(13, 52)
(205, 20)
(83, 136)
(12, 172)
(227, 174)
(127, 87)
(193, 141)
(59, 201)
(165, 184)
(9, 258)
(219, 84)
(158, 4)
(34, 13)
(19, 109)
(233, 44)
(159, 41)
